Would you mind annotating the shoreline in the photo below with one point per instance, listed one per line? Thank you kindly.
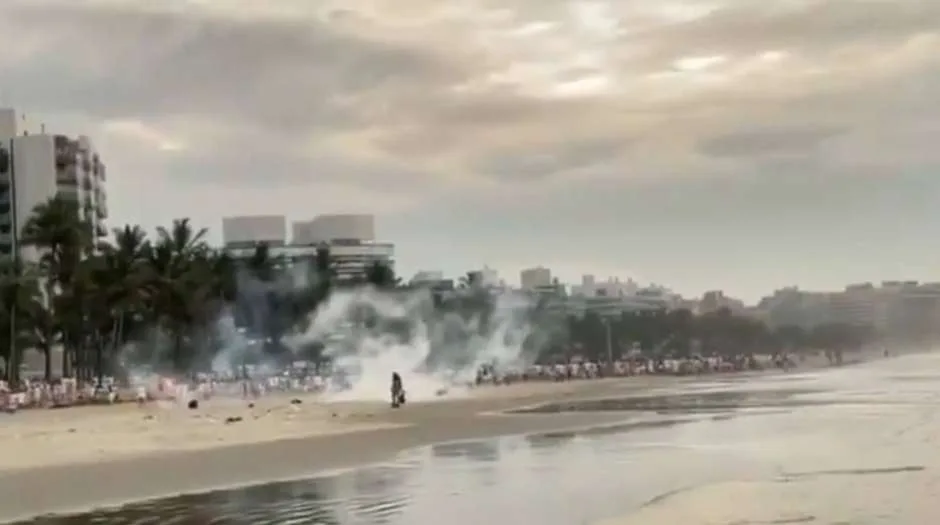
(374, 434)
(77, 487)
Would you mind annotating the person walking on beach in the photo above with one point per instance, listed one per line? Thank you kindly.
(398, 391)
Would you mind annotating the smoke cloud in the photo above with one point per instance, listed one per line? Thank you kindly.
(364, 333)
(368, 334)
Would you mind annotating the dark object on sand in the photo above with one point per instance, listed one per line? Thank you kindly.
(230, 420)
(193, 404)
(398, 391)
(295, 401)
(398, 399)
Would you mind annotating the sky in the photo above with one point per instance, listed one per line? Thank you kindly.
(739, 145)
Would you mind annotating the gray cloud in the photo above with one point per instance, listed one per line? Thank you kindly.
(526, 112)
(545, 162)
(823, 26)
(786, 141)
(287, 76)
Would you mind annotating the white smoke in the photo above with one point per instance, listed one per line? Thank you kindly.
(234, 346)
(368, 334)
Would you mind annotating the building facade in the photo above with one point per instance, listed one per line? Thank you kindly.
(37, 167)
(246, 231)
(334, 227)
(532, 279)
(349, 238)
(612, 287)
(794, 307)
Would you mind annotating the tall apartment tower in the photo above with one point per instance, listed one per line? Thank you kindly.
(34, 167)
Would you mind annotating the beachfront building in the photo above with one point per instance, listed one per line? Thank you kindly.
(715, 300)
(35, 167)
(350, 239)
(897, 309)
(532, 279)
(612, 287)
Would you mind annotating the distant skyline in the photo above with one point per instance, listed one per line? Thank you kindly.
(734, 145)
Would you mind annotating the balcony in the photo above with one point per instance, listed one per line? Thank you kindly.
(67, 175)
(65, 157)
(101, 230)
(102, 210)
(67, 192)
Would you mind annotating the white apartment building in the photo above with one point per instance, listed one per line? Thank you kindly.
(715, 300)
(427, 277)
(612, 287)
(861, 304)
(532, 279)
(895, 308)
(350, 239)
(794, 307)
(485, 278)
(35, 167)
(250, 230)
(333, 228)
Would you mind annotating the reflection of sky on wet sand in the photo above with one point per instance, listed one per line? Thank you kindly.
(849, 444)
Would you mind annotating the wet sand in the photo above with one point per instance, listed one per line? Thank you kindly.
(71, 460)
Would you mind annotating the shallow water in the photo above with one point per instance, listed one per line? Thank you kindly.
(850, 445)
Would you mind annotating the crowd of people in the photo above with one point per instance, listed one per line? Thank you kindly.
(257, 383)
(585, 369)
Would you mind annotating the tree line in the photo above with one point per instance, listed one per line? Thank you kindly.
(91, 297)
(680, 333)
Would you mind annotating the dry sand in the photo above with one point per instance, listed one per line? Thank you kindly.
(105, 433)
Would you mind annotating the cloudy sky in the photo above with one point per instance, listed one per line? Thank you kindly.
(734, 144)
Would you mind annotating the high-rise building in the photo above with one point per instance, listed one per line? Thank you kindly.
(35, 167)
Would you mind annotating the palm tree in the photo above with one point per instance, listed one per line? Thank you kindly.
(20, 301)
(124, 280)
(181, 269)
(381, 275)
(61, 237)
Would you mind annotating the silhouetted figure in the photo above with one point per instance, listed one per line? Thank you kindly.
(398, 391)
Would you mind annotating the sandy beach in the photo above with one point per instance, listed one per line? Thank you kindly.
(69, 460)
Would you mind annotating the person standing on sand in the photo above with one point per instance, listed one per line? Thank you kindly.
(398, 391)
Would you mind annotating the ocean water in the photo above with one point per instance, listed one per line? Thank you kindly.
(854, 445)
